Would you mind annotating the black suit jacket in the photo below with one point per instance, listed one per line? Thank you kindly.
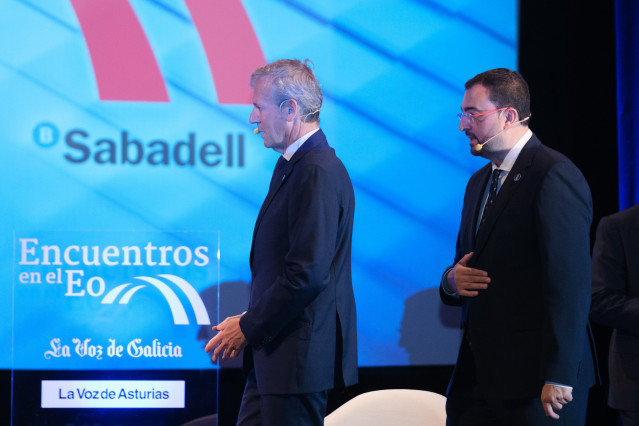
(301, 321)
(531, 325)
(615, 301)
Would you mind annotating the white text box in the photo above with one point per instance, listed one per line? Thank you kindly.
(112, 394)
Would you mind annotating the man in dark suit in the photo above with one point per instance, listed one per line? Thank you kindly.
(300, 326)
(615, 303)
(521, 272)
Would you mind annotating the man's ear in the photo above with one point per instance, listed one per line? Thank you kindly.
(291, 107)
(512, 117)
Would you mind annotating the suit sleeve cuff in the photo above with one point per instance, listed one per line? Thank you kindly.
(444, 283)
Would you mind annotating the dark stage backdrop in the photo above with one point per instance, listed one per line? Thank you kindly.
(627, 32)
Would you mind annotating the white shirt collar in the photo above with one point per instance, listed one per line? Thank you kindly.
(512, 155)
(292, 148)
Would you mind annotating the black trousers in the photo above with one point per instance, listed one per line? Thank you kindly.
(479, 411)
(628, 417)
(306, 409)
(467, 406)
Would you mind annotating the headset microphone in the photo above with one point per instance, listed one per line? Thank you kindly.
(477, 148)
(256, 130)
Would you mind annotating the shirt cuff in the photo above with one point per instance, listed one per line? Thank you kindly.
(559, 385)
(444, 284)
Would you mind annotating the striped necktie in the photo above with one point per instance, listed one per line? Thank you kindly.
(491, 194)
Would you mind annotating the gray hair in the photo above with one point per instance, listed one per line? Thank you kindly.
(292, 79)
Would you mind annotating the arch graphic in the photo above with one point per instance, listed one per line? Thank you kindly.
(177, 309)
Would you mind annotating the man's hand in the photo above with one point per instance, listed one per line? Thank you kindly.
(467, 281)
(554, 398)
(229, 340)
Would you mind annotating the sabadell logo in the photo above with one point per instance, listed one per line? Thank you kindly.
(124, 149)
(224, 29)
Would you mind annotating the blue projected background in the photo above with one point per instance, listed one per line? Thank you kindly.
(77, 158)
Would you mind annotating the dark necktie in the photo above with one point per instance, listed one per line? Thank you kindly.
(278, 173)
(491, 194)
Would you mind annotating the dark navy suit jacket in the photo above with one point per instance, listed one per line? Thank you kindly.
(615, 301)
(531, 325)
(301, 320)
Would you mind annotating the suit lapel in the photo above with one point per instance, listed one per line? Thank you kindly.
(317, 140)
(288, 167)
(514, 181)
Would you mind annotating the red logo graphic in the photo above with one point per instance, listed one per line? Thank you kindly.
(115, 37)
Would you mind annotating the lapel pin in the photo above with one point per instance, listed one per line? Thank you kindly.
(517, 177)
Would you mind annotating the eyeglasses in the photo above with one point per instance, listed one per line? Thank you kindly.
(471, 117)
